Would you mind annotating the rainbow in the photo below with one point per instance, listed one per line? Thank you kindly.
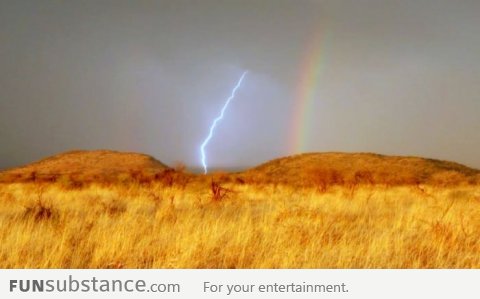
(311, 69)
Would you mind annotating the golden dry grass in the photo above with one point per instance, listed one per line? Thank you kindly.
(158, 225)
(105, 209)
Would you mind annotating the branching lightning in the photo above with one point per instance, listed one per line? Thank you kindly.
(214, 124)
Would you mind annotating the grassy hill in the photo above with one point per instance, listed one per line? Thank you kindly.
(87, 166)
(360, 168)
(318, 170)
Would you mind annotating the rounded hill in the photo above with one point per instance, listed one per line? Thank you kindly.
(96, 165)
(361, 168)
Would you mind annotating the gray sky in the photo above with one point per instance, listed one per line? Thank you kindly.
(399, 77)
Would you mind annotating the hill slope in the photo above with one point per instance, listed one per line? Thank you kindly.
(306, 170)
(354, 168)
(98, 165)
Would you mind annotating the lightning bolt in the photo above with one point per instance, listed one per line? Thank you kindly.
(215, 122)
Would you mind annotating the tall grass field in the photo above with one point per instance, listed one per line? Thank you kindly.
(243, 220)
